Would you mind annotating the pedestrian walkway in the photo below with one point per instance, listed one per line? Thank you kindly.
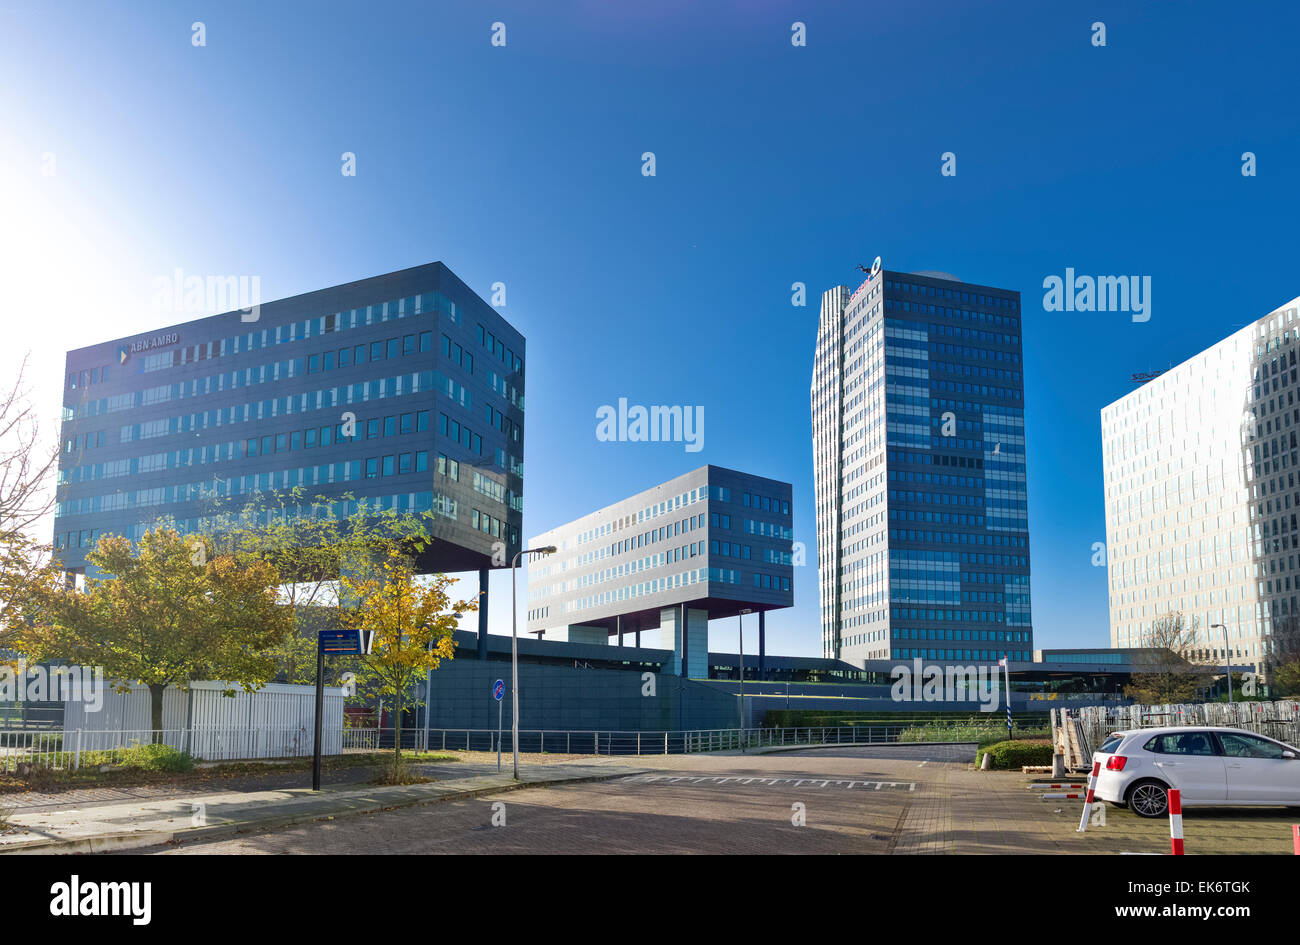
(204, 815)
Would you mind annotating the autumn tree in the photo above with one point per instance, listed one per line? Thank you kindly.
(310, 541)
(1167, 672)
(412, 618)
(27, 464)
(165, 615)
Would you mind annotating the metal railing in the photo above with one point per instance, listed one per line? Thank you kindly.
(72, 750)
(613, 742)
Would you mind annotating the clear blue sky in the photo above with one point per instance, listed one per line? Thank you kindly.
(775, 164)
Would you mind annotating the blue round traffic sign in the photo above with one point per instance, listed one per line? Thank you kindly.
(498, 690)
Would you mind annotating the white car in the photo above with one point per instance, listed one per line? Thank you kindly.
(1211, 767)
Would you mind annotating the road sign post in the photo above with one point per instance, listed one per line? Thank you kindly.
(332, 643)
(498, 693)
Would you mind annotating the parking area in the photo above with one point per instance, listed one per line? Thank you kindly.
(869, 799)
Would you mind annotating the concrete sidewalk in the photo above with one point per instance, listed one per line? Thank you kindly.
(207, 815)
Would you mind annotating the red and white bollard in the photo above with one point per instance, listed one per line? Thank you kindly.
(1295, 837)
(1176, 821)
(1087, 801)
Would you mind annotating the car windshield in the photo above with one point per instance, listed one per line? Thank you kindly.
(1110, 744)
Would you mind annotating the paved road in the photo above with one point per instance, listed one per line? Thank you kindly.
(833, 800)
(867, 799)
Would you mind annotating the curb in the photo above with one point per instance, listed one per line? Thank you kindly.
(136, 839)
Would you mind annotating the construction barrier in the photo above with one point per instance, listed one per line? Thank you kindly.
(1176, 821)
(1087, 802)
(1055, 787)
(1295, 837)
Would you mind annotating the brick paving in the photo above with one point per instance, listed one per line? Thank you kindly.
(732, 803)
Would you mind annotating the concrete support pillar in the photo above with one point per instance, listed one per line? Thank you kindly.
(482, 613)
(686, 632)
(762, 645)
(619, 622)
(638, 638)
(685, 638)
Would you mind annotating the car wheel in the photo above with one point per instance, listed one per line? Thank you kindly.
(1148, 799)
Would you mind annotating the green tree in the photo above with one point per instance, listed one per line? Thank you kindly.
(1286, 679)
(412, 619)
(165, 615)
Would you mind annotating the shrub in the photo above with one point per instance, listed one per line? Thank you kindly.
(156, 758)
(395, 770)
(1013, 754)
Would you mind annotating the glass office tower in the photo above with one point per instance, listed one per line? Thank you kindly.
(711, 544)
(1202, 487)
(405, 391)
(919, 464)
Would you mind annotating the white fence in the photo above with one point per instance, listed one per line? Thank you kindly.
(72, 750)
(275, 721)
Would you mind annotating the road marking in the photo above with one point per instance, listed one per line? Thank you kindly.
(774, 782)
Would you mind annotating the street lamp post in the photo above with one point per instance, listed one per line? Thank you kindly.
(514, 652)
(740, 618)
(1227, 657)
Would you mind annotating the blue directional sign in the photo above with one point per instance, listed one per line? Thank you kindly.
(343, 642)
(498, 690)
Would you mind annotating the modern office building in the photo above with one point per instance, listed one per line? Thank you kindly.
(919, 464)
(405, 390)
(1201, 490)
(709, 544)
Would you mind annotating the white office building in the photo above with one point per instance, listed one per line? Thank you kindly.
(1202, 489)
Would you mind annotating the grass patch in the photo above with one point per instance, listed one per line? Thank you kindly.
(982, 733)
(808, 718)
(44, 780)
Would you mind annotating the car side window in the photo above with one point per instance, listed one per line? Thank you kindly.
(1249, 746)
(1182, 743)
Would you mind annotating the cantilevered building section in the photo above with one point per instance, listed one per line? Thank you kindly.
(1202, 493)
(405, 390)
(706, 545)
(919, 471)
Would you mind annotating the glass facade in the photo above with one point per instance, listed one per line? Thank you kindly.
(919, 463)
(405, 391)
(714, 538)
(1201, 490)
